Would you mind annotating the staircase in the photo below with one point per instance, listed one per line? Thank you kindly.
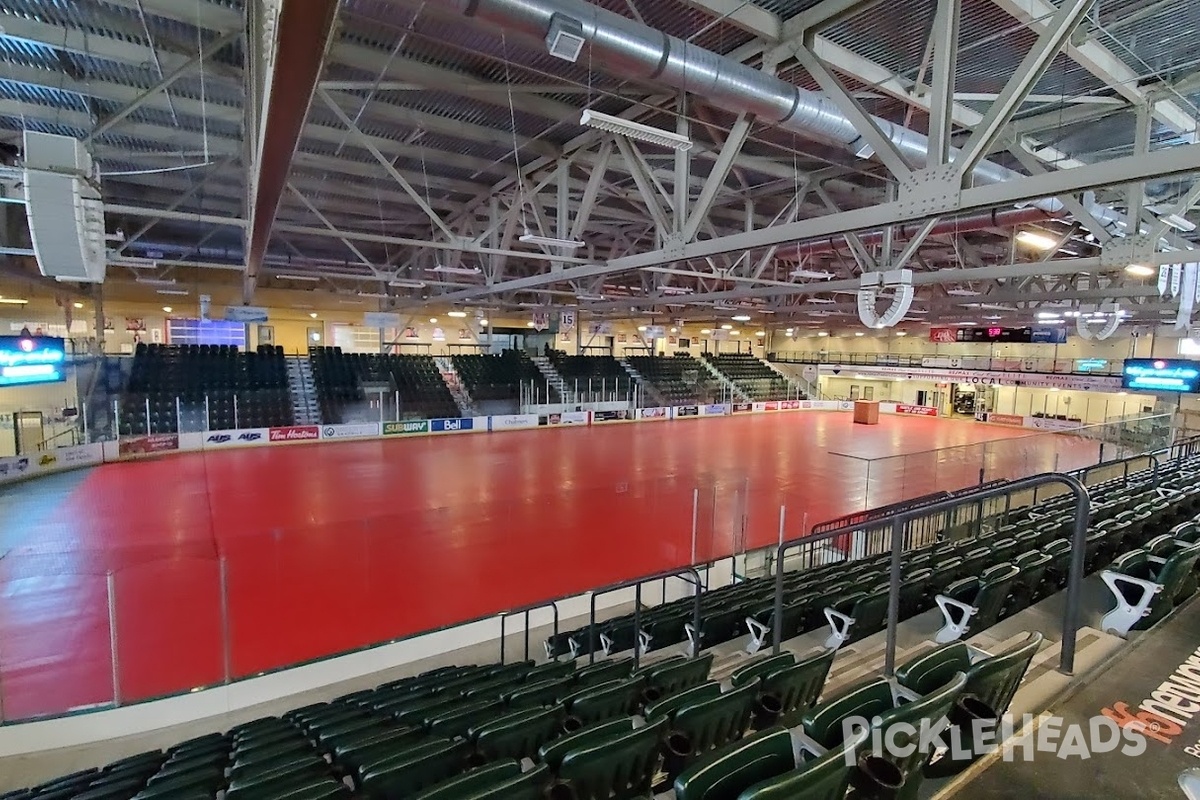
(554, 379)
(648, 389)
(303, 391)
(736, 392)
(458, 390)
(811, 389)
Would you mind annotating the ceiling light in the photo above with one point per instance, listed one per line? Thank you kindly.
(1140, 270)
(859, 333)
(548, 241)
(822, 333)
(901, 333)
(373, 295)
(78, 305)
(180, 292)
(741, 318)
(760, 333)
(811, 273)
(565, 39)
(156, 281)
(308, 278)
(404, 283)
(963, 324)
(962, 292)
(634, 130)
(589, 297)
(1047, 315)
(1179, 223)
(726, 327)
(433, 320)
(789, 332)
(706, 331)
(313, 315)
(455, 270)
(674, 330)
(483, 323)
(1038, 241)
(456, 314)
(733, 333)
(168, 309)
(12, 301)
(528, 324)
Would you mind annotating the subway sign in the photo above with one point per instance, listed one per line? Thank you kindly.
(407, 427)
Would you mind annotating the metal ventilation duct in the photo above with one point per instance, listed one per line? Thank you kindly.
(628, 49)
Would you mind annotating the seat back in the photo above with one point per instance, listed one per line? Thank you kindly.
(824, 778)
(824, 723)
(522, 786)
(903, 724)
(551, 753)
(470, 782)
(716, 721)
(993, 591)
(799, 686)
(517, 735)
(540, 693)
(1179, 568)
(680, 674)
(932, 669)
(413, 769)
(726, 772)
(760, 667)
(669, 705)
(624, 766)
(870, 614)
(605, 671)
(996, 679)
(604, 701)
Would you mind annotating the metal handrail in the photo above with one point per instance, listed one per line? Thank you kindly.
(504, 615)
(637, 607)
(1074, 579)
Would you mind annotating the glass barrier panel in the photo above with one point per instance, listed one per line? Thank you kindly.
(169, 630)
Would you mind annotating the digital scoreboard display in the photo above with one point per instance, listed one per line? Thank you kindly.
(26, 360)
(1041, 335)
(1161, 375)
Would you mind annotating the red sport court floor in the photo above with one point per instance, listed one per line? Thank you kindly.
(336, 546)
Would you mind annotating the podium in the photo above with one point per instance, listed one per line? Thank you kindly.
(866, 412)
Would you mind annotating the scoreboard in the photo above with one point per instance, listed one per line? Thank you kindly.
(1042, 335)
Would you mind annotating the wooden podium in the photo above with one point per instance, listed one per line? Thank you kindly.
(866, 412)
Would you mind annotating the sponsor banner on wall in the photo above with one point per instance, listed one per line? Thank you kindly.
(658, 412)
(357, 430)
(742, 408)
(610, 416)
(455, 425)
(789, 405)
(1006, 419)
(239, 438)
(919, 411)
(771, 405)
(685, 411)
(81, 455)
(575, 418)
(153, 443)
(510, 421)
(715, 409)
(15, 468)
(294, 433)
(406, 428)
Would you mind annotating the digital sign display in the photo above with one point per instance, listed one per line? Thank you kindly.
(1161, 375)
(26, 360)
(1043, 335)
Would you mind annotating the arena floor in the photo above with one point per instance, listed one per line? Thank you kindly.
(337, 546)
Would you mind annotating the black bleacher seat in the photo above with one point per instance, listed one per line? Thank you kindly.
(499, 376)
(339, 378)
(592, 375)
(677, 380)
(174, 388)
(752, 376)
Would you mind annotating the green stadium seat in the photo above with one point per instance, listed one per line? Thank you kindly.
(667, 706)
(724, 773)
(974, 603)
(1144, 586)
(823, 778)
(603, 701)
(707, 724)
(472, 781)
(518, 734)
(620, 767)
(674, 676)
(761, 667)
(551, 754)
(793, 689)
(405, 772)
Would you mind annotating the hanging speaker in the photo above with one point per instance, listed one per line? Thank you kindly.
(65, 212)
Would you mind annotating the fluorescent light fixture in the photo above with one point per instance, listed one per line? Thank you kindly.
(963, 324)
(993, 317)
(726, 327)
(962, 292)
(528, 324)
(677, 290)
(180, 292)
(1179, 223)
(859, 333)
(902, 333)
(456, 314)
(634, 130)
(156, 281)
(760, 333)
(13, 301)
(433, 320)
(811, 273)
(404, 283)
(168, 309)
(565, 38)
(1140, 270)
(78, 305)
(1038, 241)
(483, 323)
(1048, 315)
(641, 328)
(308, 278)
(822, 333)
(733, 333)
(548, 241)
(741, 318)
(674, 330)
(789, 332)
(313, 315)
(706, 331)
(455, 270)
(374, 295)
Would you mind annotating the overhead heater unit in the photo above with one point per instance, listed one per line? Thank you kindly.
(634, 130)
(565, 38)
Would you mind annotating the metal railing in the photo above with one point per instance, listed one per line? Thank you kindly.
(636, 585)
(504, 615)
(897, 522)
(1061, 366)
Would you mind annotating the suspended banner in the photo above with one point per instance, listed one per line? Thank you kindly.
(566, 320)
(541, 320)
(381, 319)
(246, 314)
